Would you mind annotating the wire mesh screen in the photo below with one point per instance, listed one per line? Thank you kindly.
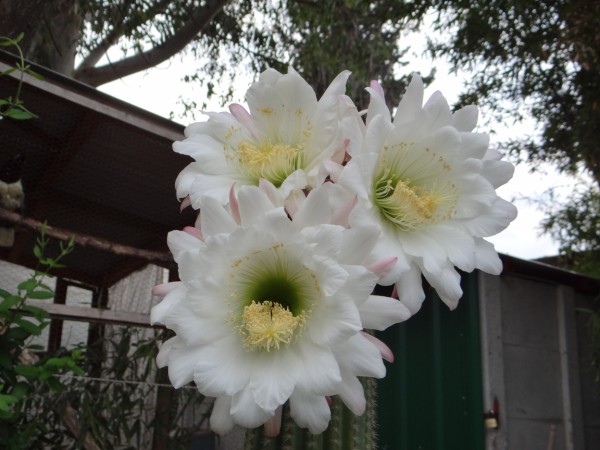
(122, 400)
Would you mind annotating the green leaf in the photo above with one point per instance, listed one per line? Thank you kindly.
(4, 293)
(8, 71)
(34, 74)
(40, 295)
(6, 401)
(30, 327)
(37, 251)
(38, 313)
(19, 113)
(27, 285)
(9, 302)
(27, 371)
(20, 390)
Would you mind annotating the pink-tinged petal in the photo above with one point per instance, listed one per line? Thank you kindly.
(383, 266)
(221, 421)
(271, 191)
(340, 154)
(310, 411)
(294, 202)
(244, 117)
(185, 202)
(333, 169)
(341, 215)
(234, 205)
(196, 232)
(379, 312)
(163, 289)
(159, 312)
(360, 356)
(384, 350)
(273, 425)
(180, 242)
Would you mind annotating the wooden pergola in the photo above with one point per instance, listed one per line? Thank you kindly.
(96, 169)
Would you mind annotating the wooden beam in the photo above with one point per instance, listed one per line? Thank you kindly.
(86, 314)
(85, 240)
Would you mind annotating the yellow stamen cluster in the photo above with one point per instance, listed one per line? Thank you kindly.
(268, 325)
(411, 207)
(273, 162)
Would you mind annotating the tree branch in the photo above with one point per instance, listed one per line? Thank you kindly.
(199, 19)
(115, 34)
(84, 240)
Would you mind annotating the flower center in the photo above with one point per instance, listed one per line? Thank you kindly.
(267, 325)
(273, 162)
(413, 188)
(272, 295)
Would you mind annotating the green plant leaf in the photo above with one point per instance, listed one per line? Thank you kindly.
(39, 313)
(6, 401)
(31, 372)
(9, 302)
(27, 285)
(40, 295)
(30, 327)
(19, 113)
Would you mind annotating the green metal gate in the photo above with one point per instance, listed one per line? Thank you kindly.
(431, 398)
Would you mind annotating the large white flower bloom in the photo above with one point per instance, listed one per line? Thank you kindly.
(284, 138)
(430, 182)
(271, 309)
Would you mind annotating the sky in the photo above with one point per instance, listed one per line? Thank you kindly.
(159, 90)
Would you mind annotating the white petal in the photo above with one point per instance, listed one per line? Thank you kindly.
(246, 412)
(180, 242)
(214, 219)
(411, 103)
(216, 374)
(253, 204)
(221, 421)
(486, 257)
(447, 284)
(274, 376)
(182, 360)
(334, 321)
(310, 411)
(410, 289)
(352, 393)
(360, 356)
(379, 312)
(320, 373)
(465, 119)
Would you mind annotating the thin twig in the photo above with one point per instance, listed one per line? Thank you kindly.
(84, 240)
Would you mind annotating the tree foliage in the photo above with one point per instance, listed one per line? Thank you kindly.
(541, 57)
(527, 57)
